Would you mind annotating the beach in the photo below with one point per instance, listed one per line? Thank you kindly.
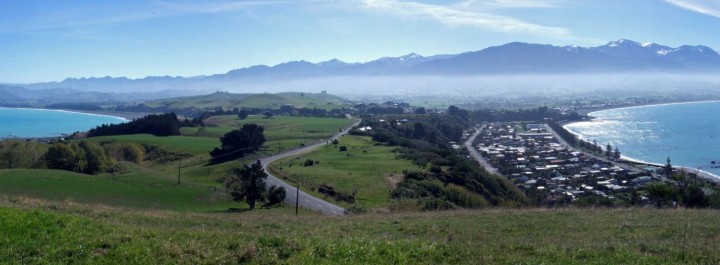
(683, 142)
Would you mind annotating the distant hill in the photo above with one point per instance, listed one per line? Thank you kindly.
(621, 56)
(228, 101)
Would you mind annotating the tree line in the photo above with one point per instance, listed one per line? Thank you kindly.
(156, 124)
(79, 156)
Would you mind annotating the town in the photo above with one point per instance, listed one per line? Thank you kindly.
(554, 173)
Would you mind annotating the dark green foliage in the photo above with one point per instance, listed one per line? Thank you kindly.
(276, 195)
(540, 114)
(342, 148)
(22, 154)
(160, 125)
(96, 159)
(425, 139)
(659, 192)
(309, 163)
(616, 154)
(237, 143)
(432, 194)
(83, 157)
(570, 138)
(242, 114)
(330, 191)
(248, 183)
(60, 156)
(694, 197)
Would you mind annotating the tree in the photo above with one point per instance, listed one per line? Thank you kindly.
(659, 192)
(95, 158)
(60, 156)
(9, 150)
(248, 183)
(668, 168)
(242, 114)
(275, 196)
(608, 150)
(237, 143)
(617, 153)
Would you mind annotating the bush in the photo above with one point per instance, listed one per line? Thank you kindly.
(276, 195)
(308, 163)
(342, 148)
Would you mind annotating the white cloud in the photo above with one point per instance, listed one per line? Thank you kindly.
(513, 3)
(707, 7)
(457, 16)
(65, 19)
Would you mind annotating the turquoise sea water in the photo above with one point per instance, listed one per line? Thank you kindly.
(29, 123)
(688, 133)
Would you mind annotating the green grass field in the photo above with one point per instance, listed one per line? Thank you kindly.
(273, 101)
(365, 168)
(139, 189)
(276, 128)
(185, 144)
(62, 232)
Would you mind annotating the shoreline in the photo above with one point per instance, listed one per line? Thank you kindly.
(119, 115)
(587, 112)
(708, 176)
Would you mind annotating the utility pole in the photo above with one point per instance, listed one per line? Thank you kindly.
(179, 162)
(297, 197)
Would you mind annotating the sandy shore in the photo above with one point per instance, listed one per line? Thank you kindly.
(125, 115)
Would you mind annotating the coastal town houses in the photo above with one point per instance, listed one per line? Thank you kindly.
(535, 161)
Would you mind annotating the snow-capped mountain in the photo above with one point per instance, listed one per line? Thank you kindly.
(621, 56)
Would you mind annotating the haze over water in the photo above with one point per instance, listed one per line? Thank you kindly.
(685, 132)
(31, 123)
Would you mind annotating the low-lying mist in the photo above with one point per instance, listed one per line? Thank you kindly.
(496, 86)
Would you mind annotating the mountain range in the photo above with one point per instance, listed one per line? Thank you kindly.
(621, 56)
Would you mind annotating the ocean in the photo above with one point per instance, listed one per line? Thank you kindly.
(35, 123)
(688, 133)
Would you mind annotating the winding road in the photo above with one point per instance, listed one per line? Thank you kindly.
(306, 200)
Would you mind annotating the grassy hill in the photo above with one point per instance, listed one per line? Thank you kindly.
(63, 232)
(367, 169)
(139, 189)
(230, 101)
(154, 184)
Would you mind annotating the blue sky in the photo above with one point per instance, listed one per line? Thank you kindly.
(52, 40)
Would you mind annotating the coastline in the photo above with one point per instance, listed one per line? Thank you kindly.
(125, 116)
(708, 176)
(589, 111)
(120, 116)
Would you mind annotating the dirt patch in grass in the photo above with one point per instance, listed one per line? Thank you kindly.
(393, 179)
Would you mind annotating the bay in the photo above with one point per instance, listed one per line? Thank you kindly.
(35, 123)
(687, 133)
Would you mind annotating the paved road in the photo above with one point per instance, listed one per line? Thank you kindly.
(306, 200)
(477, 156)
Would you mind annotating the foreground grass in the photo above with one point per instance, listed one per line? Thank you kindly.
(365, 168)
(39, 232)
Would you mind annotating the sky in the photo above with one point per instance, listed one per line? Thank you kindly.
(49, 40)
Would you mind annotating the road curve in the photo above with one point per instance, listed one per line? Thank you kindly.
(306, 200)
